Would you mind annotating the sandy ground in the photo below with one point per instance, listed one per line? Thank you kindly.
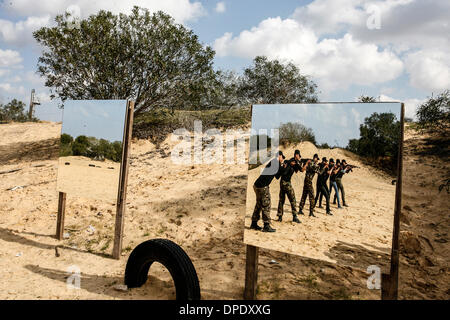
(367, 222)
(88, 178)
(199, 207)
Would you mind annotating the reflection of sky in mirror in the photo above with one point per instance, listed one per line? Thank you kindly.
(331, 123)
(102, 119)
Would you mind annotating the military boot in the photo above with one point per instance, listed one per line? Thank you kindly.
(255, 226)
(280, 218)
(329, 213)
(268, 228)
(311, 214)
(295, 219)
(301, 212)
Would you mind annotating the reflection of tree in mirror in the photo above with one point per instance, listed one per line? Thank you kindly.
(379, 140)
(294, 132)
(98, 149)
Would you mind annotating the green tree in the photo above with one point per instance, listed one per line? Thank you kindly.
(147, 57)
(294, 132)
(435, 112)
(14, 111)
(270, 81)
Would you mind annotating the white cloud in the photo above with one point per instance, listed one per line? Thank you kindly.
(335, 63)
(407, 24)
(9, 89)
(9, 58)
(429, 69)
(404, 24)
(3, 72)
(410, 104)
(181, 10)
(330, 16)
(21, 32)
(220, 7)
(34, 79)
(408, 27)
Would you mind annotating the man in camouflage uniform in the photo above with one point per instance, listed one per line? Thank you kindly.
(261, 187)
(291, 166)
(308, 190)
(321, 186)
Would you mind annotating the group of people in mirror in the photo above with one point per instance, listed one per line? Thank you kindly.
(283, 169)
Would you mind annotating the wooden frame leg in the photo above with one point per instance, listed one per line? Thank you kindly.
(61, 215)
(251, 273)
(122, 192)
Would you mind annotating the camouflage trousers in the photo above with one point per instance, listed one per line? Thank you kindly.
(262, 204)
(308, 190)
(286, 189)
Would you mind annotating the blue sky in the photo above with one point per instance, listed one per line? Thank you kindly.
(102, 119)
(334, 124)
(395, 50)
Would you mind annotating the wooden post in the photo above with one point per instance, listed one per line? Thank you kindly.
(251, 273)
(61, 215)
(389, 290)
(122, 192)
(30, 110)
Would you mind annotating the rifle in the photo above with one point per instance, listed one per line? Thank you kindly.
(351, 167)
(304, 160)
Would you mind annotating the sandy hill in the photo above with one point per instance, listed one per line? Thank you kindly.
(201, 207)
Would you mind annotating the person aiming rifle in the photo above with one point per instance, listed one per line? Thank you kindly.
(311, 168)
(321, 186)
(335, 167)
(343, 169)
(291, 166)
(273, 169)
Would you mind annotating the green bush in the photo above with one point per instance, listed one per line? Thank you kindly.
(14, 111)
(435, 113)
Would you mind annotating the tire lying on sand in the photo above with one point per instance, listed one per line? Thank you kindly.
(171, 256)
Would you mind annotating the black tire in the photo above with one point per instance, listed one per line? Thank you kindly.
(171, 256)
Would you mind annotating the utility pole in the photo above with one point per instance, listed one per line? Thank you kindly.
(33, 102)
